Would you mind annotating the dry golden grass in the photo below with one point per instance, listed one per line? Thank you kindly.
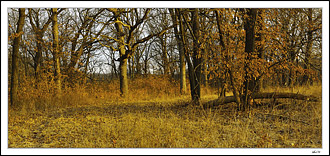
(153, 116)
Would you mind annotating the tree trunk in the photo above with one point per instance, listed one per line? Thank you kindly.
(86, 64)
(166, 66)
(260, 47)
(15, 55)
(131, 67)
(137, 61)
(123, 62)
(205, 72)
(123, 76)
(229, 99)
(191, 68)
(187, 56)
(249, 83)
(38, 59)
(307, 77)
(145, 67)
(197, 57)
(183, 86)
(205, 51)
(57, 73)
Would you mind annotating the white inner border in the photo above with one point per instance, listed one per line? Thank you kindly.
(164, 4)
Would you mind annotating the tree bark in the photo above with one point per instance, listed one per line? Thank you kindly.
(15, 55)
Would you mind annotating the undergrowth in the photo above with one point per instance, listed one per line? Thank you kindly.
(154, 115)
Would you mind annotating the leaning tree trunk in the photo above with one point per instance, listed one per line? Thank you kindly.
(15, 55)
(274, 95)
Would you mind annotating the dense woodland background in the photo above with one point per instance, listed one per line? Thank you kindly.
(162, 77)
(240, 50)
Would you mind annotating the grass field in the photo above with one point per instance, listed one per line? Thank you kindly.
(101, 119)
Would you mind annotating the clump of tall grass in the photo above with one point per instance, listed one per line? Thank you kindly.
(42, 96)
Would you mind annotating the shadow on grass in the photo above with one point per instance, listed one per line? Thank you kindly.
(180, 109)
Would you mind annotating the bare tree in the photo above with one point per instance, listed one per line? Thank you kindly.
(125, 39)
(39, 31)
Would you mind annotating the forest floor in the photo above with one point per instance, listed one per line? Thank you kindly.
(166, 123)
